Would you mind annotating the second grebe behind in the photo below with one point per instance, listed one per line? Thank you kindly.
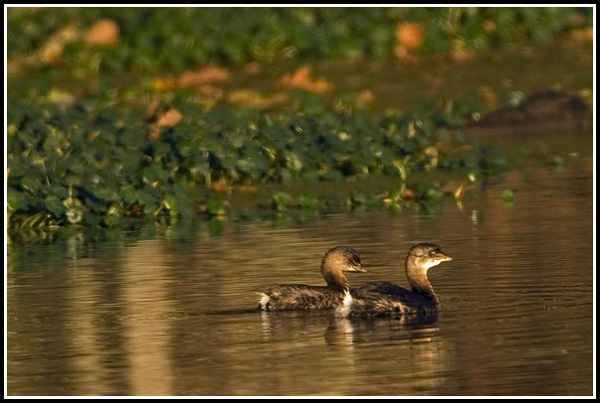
(301, 296)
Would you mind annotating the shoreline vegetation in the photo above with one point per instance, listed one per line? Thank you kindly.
(84, 149)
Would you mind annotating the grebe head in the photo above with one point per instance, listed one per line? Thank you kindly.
(342, 258)
(426, 256)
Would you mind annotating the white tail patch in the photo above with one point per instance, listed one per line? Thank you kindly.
(264, 300)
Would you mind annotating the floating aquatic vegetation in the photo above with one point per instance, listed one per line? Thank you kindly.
(175, 39)
(173, 148)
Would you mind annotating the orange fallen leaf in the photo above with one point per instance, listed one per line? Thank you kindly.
(459, 192)
(104, 32)
(51, 51)
(209, 95)
(164, 83)
(154, 132)
(489, 26)
(208, 74)
(252, 68)
(462, 55)
(410, 35)
(248, 189)
(366, 96)
(211, 91)
(220, 186)
(408, 194)
(582, 35)
(151, 110)
(404, 55)
(169, 118)
(301, 78)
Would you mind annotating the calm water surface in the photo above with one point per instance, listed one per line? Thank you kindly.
(173, 313)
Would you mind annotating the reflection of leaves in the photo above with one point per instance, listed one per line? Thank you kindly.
(428, 191)
(558, 161)
(281, 200)
(358, 198)
(508, 197)
(215, 205)
(39, 221)
(308, 201)
(216, 227)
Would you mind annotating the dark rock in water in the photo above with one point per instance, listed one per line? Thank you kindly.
(542, 107)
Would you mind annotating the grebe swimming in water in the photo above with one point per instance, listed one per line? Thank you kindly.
(300, 296)
(387, 299)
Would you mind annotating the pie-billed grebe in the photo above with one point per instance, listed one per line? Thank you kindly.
(387, 299)
(300, 296)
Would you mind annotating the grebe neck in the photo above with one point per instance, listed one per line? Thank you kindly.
(418, 280)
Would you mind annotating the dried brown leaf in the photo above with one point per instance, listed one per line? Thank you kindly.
(104, 32)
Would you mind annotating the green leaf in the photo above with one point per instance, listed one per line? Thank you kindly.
(293, 161)
(129, 194)
(113, 215)
(54, 205)
(16, 200)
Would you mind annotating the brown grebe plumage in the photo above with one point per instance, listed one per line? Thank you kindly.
(388, 299)
(301, 296)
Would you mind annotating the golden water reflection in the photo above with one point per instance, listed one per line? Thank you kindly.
(175, 316)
